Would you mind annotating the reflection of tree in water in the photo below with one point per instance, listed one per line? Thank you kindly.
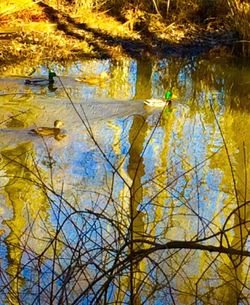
(137, 217)
(30, 214)
(170, 203)
(135, 170)
(235, 266)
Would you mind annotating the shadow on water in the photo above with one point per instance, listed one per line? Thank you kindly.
(86, 220)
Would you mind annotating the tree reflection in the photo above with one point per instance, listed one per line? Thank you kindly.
(29, 205)
(161, 213)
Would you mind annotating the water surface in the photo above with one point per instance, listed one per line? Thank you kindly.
(125, 172)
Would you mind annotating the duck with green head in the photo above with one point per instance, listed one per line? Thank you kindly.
(42, 81)
(166, 101)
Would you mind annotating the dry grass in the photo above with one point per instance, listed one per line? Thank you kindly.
(20, 13)
(240, 11)
(174, 32)
(8, 7)
(174, 23)
(102, 22)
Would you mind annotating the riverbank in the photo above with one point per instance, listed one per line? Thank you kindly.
(50, 34)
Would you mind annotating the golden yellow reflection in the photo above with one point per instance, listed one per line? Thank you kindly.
(30, 210)
(179, 175)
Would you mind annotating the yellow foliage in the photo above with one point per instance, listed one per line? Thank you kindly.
(8, 7)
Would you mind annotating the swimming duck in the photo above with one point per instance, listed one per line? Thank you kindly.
(155, 102)
(41, 81)
(94, 79)
(49, 131)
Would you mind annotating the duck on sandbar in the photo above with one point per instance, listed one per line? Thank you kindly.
(94, 79)
(41, 81)
(155, 102)
(49, 131)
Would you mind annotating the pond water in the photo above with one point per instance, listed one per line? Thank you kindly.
(86, 218)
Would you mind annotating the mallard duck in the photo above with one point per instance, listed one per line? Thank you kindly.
(94, 79)
(155, 102)
(49, 131)
(41, 81)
